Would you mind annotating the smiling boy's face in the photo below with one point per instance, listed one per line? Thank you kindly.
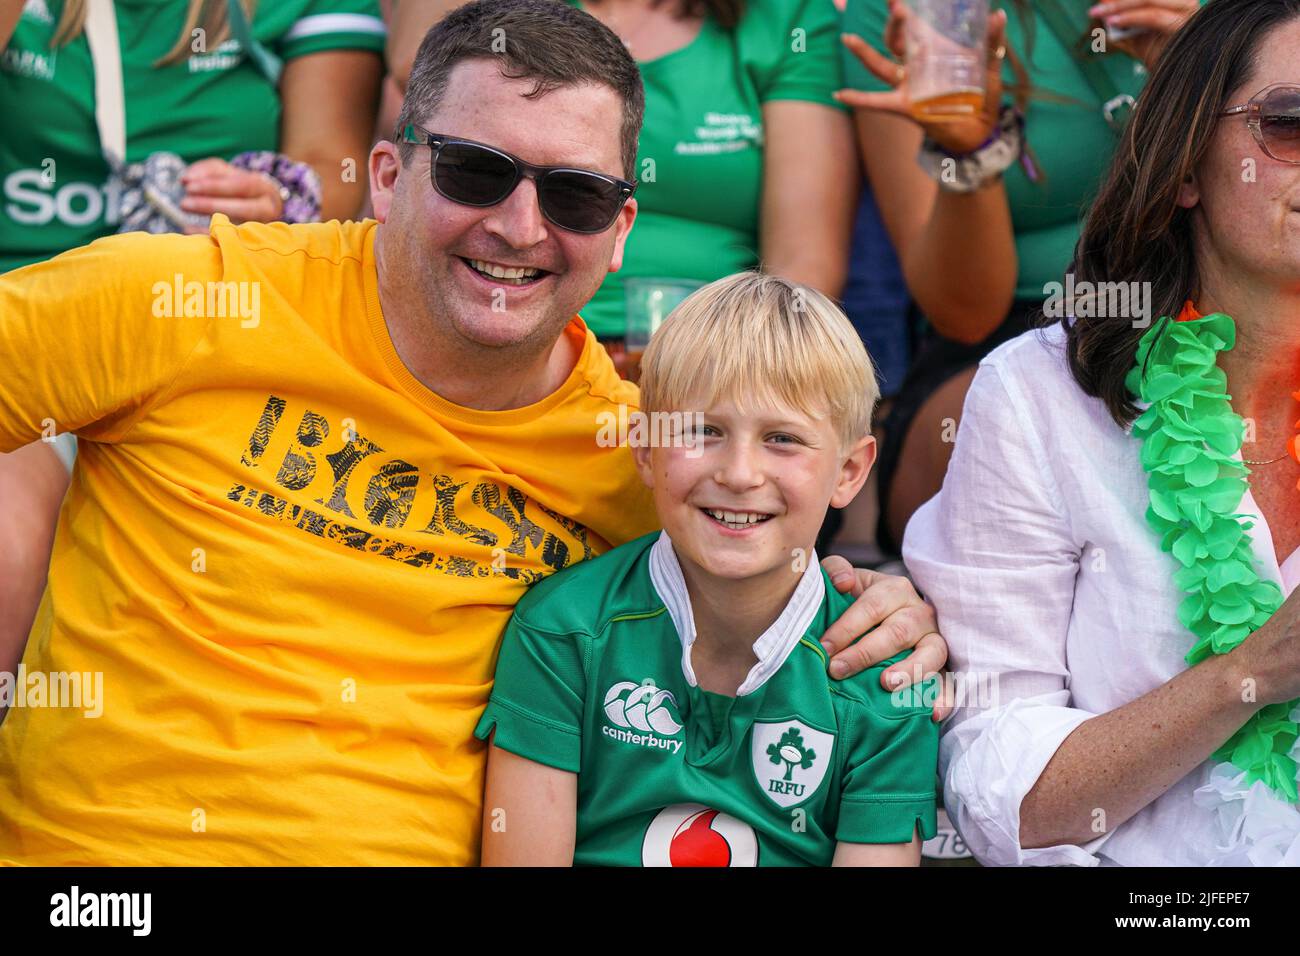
(753, 487)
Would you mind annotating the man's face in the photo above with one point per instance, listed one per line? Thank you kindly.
(429, 241)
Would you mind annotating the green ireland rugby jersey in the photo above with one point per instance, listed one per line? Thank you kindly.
(594, 677)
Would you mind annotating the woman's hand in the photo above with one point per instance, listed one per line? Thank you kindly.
(960, 134)
(214, 186)
(1158, 20)
(1268, 661)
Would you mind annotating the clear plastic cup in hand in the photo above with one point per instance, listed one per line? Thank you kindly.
(648, 302)
(947, 57)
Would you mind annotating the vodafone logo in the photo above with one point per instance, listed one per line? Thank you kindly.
(689, 834)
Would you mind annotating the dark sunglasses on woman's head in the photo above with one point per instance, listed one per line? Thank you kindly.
(1273, 115)
(475, 174)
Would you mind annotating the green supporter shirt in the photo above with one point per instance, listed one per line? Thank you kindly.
(700, 162)
(52, 173)
(593, 678)
(1065, 128)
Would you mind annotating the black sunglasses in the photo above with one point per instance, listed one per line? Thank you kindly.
(475, 174)
(1273, 115)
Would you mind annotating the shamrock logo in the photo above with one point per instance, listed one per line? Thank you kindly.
(791, 751)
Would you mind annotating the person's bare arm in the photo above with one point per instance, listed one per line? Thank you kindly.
(10, 13)
(530, 812)
(810, 190)
(33, 480)
(329, 104)
(957, 250)
(878, 854)
(1120, 761)
(411, 21)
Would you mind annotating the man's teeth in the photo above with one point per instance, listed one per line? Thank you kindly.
(509, 273)
(736, 520)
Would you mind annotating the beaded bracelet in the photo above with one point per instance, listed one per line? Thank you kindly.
(299, 184)
(967, 172)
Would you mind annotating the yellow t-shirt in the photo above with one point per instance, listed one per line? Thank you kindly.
(290, 562)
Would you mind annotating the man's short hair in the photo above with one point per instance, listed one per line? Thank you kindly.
(754, 338)
(546, 41)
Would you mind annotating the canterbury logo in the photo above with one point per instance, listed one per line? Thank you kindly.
(642, 707)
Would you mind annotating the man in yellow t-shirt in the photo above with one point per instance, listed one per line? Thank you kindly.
(318, 467)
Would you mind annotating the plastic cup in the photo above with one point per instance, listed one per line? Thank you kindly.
(947, 57)
(648, 303)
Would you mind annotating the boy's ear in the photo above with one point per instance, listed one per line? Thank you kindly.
(641, 455)
(854, 471)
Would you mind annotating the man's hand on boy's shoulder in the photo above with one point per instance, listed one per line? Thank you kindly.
(889, 617)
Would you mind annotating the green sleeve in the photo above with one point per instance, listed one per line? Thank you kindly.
(866, 18)
(805, 53)
(889, 771)
(334, 25)
(537, 702)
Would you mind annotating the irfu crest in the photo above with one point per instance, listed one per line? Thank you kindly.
(789, 759)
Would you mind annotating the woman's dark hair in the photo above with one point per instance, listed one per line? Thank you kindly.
(550, 43)
(1135, 230)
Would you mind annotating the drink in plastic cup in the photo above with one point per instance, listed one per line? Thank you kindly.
(648, 302)
(947, 57)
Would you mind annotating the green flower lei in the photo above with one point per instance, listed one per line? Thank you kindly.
(1189, 436)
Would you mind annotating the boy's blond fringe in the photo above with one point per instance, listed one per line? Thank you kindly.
(757, 338)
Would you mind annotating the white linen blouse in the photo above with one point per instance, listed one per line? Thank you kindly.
(1050, 585)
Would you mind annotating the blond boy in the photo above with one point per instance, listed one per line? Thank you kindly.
(668, 703)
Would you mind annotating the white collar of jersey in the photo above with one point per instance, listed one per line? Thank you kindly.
(773, 645)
